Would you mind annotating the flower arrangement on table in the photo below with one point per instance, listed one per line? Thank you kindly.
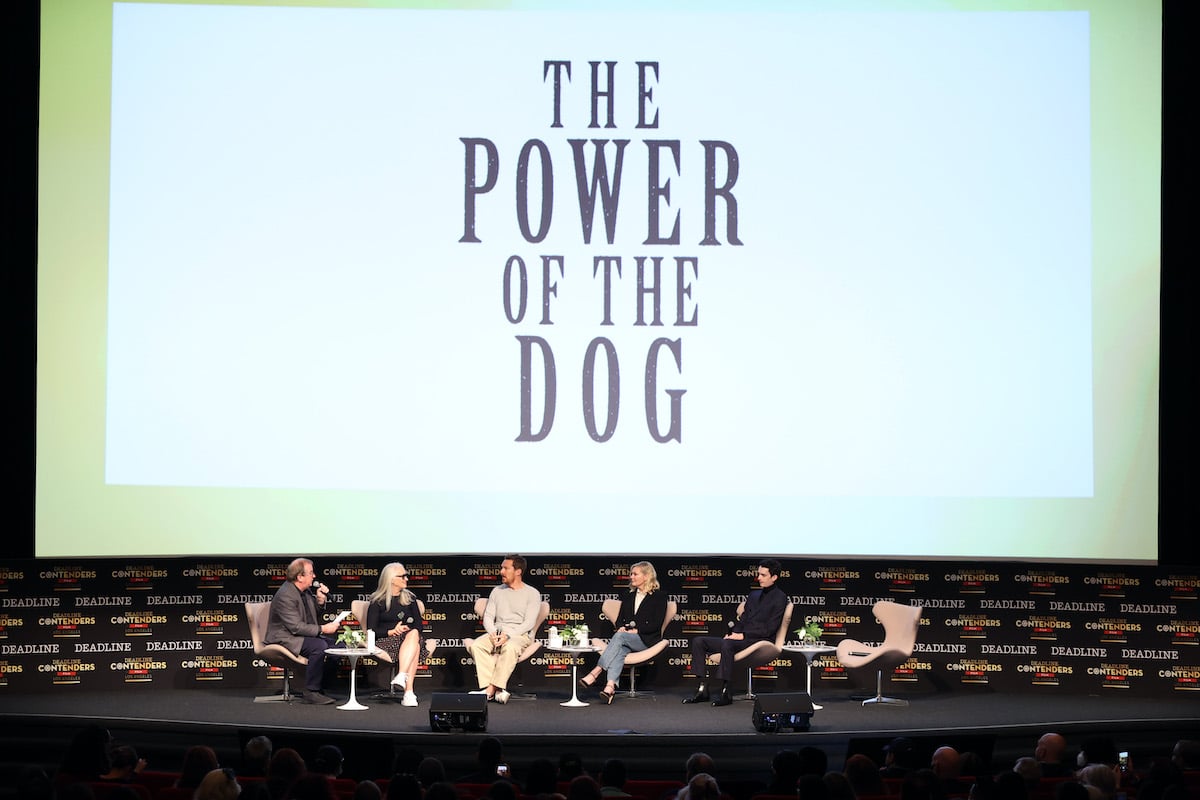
(571, 634)
(352, 638)
(811, 633)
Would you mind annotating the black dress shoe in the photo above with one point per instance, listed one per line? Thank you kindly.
(701, 695)
(723, 699)
(317, 699)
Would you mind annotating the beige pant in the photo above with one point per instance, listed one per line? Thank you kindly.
(493, 668)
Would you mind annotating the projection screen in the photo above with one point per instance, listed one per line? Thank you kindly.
(791, 278)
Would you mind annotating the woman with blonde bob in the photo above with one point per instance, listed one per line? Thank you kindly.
(639, 625)
(395, 616)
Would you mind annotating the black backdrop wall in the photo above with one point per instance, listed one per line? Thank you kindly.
(67, 625)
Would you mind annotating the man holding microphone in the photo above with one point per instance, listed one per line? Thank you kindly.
(509, 619)
(295, 624)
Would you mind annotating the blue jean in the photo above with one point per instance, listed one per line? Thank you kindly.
(612, 660)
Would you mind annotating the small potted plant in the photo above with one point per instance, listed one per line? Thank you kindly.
(352, 638)
(811, 633)
(570, 635)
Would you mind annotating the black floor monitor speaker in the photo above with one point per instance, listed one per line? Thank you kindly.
(467, 712)
(776, 712)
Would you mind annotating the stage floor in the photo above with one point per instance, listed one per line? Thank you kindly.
(653, 734)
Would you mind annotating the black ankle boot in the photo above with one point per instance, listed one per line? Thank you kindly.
(701, 695)
(723, 699)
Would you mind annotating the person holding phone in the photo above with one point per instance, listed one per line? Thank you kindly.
(294, 623)
(395, 616)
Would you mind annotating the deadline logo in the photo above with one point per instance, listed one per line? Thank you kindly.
(693, 576)
(972, 581)
(138, 623)
(209, 668)
(8, 577)
(7, 669)
(420, 576)
(833, 623)
(1111, 584)
(555, 665)
(1044, 672)
(1183, 587)
(832, 579)
(353, 576)
(1043, 627)
(66, 671)
(556, 576)
(139, 578)
(1116, 676)
(827, 668)
(1183, 631)
(902, 581)
(697, 621)
(486, 576)
(209, 623)
(1113, 630)
(1042, 582)
(138, 669)
(974, 671)
(210, 576)
(1184, 679)
(972, 626)
(67, 579)
(66, 625)
(8, 621)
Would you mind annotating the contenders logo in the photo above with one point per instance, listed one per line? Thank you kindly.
(972, 581)
(1113, 630)
(1042, 583)
(1116, 676)
(7, 669)
(1184, 679)
(1182, 587)
(1043, 627)
(8, 621)
(66, 671)
(138, 578)
(273, 574)
(139, 623)
(486, 575)
(210, 576)
(209, 667)
(1183, 631)
(833, 623)
(1045, 673)
(209, 623)
(694, 576)
(698, 621)
(975, 671)
(67, 579)
(556, 576)
(902, 582)
(420, 576)
(972, 626)
(911, 670)
(1111, 584)
(66, 625)
(554, 664)
(355, 576)
(832, 579)
(138, 669)
(618, 573)
(8, 577)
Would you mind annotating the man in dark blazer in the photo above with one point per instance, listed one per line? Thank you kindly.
(295, 624)
(760, 619)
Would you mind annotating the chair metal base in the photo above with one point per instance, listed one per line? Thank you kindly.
(284, 695)
(879, 699)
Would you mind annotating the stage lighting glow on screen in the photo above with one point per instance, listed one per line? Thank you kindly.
(751, 278)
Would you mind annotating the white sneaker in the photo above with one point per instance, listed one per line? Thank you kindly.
(480, 691)
(501, 696)
(409, 700)
(400, 681)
